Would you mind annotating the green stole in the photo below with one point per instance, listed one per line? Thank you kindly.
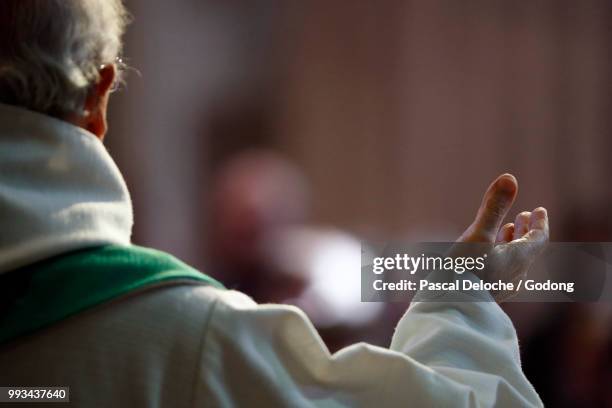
(51, 290)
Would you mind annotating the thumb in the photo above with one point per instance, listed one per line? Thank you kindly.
(496, 203)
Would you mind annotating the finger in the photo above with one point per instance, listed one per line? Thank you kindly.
(538, 225)
(521, 224)
(535, 240)
(505, 233)
(539, 219)
(495, 205)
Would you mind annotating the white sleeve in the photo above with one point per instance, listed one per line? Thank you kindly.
(442, 354)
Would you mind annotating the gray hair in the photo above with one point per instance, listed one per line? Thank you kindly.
(51, 51)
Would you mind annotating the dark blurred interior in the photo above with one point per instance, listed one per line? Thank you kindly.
(262, 140)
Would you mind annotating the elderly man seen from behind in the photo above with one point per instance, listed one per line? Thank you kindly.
(126, 326)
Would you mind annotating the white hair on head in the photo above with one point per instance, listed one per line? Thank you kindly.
(51, 51)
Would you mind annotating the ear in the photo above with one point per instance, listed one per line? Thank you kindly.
(97, 101)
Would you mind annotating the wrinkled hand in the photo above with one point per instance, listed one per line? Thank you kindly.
(514, 246)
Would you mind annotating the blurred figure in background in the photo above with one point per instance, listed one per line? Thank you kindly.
(257, 195)
(263, 245)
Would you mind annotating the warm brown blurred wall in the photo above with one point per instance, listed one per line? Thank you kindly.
(412, 107)
(400, 112)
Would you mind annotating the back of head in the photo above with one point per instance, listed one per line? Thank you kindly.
(51, 51)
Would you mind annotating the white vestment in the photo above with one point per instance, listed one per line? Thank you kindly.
(198, 346)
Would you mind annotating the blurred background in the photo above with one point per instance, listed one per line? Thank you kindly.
(263, 140)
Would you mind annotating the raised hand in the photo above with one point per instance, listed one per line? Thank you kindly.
(514, 246)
